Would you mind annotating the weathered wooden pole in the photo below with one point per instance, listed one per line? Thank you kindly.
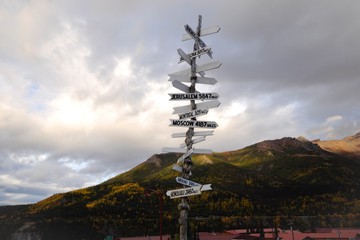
(191, 112)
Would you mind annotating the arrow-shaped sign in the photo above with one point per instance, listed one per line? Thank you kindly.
(194, 141)
(192, 123)
(201, 133)
(184, 192)
(187, 154)
(194, 113)
(197, 39)
(203, 105)
(200, 68)
(185, 57)
(180, 169)
(192, 96)
(203, 32)
(183, 150)
(200, 80)
(186, 182)
(189, 183)
(181, 86)
(188, 57)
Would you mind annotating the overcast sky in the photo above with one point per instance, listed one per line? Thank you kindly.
(84, 84)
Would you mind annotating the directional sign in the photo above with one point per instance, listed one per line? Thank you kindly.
(200, 68)
(203, 32)
(187, 154)
(184, 192)
(180, 169)
(203, 105)
(192, 96)
(192, 123)
(181, 86)
(194, 141)
(183, 150)
(201, 80)
(186, 182)
(189, 183)
(197, 53)
(195, 113)
(201, 133)
(185, 57)
(197, 39)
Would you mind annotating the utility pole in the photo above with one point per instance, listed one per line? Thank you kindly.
(192, 111)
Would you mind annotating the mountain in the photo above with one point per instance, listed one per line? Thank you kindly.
(274, 179)
(349, 146)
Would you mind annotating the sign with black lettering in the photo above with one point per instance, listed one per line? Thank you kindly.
(184, 192)
(192, 96)
(195, 113)
(194, 54)
(203, 32)
(192, 123)
(186, 182)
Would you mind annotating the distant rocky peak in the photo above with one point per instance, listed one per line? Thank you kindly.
(287, 143)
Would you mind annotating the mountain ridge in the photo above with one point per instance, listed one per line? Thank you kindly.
(282, 177)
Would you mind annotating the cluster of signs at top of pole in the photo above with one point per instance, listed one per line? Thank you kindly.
(188, 113)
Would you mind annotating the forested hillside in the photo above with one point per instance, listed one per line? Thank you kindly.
(275, 182)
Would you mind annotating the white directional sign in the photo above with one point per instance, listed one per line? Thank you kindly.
(192, 123)
(189, 183)
(183, 150)
(203, 105)
(200, 68)
(203, 32)
(194, 141)
(180, 169)
(194, 113)
(186, 182)
(201, 133)
(181, 86)
(192, 96)
(185, 57)
(188, 57)
(197, 39)
(201, 80)
(184, 192)
(187, 154)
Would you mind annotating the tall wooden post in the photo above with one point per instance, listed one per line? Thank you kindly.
(191, 112)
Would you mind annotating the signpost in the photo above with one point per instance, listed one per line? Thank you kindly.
(188, 116)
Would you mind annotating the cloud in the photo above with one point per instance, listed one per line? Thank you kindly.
(83, 85)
